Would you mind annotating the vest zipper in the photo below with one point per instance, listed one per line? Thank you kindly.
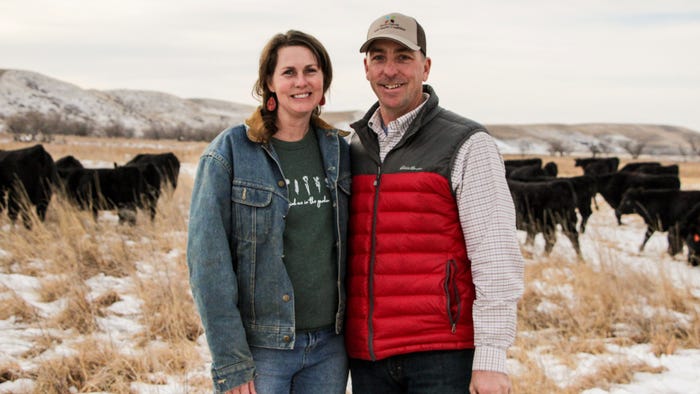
(452, 293)
(373, 249)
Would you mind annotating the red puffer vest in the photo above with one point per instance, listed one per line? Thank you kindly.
(409, 278)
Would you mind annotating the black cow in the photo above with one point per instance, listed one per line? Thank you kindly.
(662, 210)
(671, 169)
(597, 166)
(689, 232)
(527, 173)
(613, 186)
(523, 162)
(540, 206)
(167, 170)
(26, 179)
(512, 165)
(68, 162)
(123, 189)
(631, 167)
(64, 165)
(533, 172)
(585, 187)
(167, 165)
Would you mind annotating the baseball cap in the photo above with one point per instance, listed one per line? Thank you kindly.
(397, 27)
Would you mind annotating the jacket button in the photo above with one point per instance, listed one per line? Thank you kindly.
(285, 298)
(280, 183)
(286, 338)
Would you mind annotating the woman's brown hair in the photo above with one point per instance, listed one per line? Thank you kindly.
(268, 62)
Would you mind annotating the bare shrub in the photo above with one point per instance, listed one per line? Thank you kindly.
(34, 123)
(117, 130)
(558, 147)
(634, 147)
(183, 132)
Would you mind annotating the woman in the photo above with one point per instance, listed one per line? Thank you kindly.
(267, 231)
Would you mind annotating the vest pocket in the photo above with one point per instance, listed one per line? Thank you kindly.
(252, 210)
(453, 301)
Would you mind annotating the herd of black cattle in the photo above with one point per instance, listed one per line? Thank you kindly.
(30, 176)
(649, 189)
(543, 201)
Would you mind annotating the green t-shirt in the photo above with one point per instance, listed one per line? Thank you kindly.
(309, 252)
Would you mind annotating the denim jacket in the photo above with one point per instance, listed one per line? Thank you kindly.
(235, 244)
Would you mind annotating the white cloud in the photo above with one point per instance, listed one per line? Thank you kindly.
(497, 62)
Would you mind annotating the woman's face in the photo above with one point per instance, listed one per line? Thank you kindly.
(297, 81)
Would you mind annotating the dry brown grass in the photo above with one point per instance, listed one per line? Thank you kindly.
(167, 307)
(610, 373)
(69, 249)
(14, 306)
(95, 366)
(610, 304)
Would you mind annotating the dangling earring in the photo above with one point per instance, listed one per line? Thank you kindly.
(271, 104)
(323, 101)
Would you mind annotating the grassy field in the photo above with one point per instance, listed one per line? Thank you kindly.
(107, 307)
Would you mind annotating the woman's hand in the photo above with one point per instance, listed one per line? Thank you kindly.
(245, 388)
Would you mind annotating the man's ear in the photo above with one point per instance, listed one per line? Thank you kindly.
(364, 61)
(426, 68)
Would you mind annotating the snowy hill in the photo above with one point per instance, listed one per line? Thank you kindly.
(23, 91)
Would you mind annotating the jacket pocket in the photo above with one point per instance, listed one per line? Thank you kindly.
(252, 210)
(453, 300)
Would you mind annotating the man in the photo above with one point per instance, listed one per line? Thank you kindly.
(435, 269)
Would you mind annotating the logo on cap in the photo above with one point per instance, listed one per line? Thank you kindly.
(389, 23)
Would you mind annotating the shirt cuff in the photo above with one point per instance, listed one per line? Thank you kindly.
(489, 359)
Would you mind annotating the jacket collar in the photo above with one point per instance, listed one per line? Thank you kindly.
(258, 133)
(425, 114)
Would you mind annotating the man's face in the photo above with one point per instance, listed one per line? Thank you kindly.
(396, 75)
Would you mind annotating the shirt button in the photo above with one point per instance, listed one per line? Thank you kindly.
(286, 338)
(285, 298)
(280, 183)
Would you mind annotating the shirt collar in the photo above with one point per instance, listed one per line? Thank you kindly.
(400, 125)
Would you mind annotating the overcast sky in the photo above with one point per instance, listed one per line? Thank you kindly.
(496, 61)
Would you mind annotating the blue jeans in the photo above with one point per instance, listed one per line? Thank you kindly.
(443, 372)
(317, 364)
